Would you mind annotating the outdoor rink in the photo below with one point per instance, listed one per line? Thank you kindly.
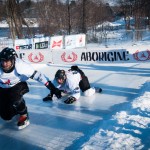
(57, 126)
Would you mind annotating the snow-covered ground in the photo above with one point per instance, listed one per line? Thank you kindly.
(116, 119)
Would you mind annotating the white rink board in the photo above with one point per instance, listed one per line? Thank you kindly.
(36, 56)
(88, 55)
(68, 56)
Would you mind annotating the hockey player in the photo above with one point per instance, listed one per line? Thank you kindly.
(13, 75)
(71, 82)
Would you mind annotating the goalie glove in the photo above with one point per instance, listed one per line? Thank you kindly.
(70, 100)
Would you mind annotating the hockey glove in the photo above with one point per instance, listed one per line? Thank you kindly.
(76, 68)
(53, 89)
(49, 97)
(70, 100)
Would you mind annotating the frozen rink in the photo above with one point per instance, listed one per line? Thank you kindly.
(116, 119)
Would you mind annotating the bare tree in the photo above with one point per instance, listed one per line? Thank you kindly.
(52, 16)
(14, 18)
(56, 17)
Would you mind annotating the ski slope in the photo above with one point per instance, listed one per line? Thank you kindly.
(116, 119)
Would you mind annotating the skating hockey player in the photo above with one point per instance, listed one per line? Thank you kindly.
(13, 75)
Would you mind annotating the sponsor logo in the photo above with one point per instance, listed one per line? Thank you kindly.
(24, 47)
(141, 56)
(69, 58)
(105, 56)
(36, 58)
(58, 44)
(41, 45)
(69, 42)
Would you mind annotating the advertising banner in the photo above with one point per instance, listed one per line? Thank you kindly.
(21, 44)
(75, 41)
(38, 56)
(68, 56)
(41, 43)
(91, 56)
(103, 56)
(56, 42)
(129, 55)
(80, 40)
(70, 41)
(136, 54)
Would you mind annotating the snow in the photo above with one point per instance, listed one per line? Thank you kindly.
(32, 22)
(117, 119)
(129, 129)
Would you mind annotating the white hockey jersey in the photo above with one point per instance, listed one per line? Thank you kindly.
(71, 86)
(22, 72)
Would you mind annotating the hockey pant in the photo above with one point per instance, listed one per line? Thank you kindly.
(12, 102)
(85, 87)
(84, 84)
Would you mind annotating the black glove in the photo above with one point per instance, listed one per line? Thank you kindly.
(76, 68)
(53, 89)
(70, 100)
(49, 97)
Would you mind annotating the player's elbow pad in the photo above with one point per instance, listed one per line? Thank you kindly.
(38, 77)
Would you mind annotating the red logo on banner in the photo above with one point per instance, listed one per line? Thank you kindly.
(80, 40)
(17, 47)
(70, 58)
(142, 56)
(36, 58)
(56, 44)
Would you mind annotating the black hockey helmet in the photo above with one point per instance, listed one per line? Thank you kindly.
(8, 54)
(60, 74)
(5, 55)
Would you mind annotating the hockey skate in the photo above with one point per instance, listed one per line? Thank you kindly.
(98, 90)
(23, 121)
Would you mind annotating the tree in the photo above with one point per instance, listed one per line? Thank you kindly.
(14, 18)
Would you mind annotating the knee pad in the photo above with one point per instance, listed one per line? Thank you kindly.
(89, 92)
